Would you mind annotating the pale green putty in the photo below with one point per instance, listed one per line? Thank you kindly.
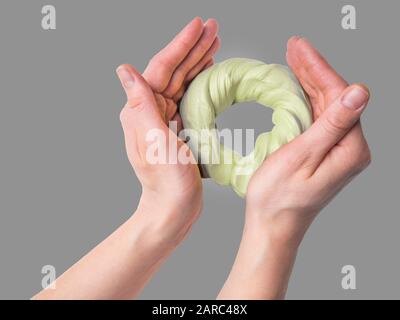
(238, 80)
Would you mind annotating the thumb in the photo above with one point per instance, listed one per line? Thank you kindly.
(140, 115)
(141, 107)
(336, 121)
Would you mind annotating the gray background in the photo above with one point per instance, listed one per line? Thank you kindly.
(65, 181)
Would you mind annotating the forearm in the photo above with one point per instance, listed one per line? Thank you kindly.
(120, 266)
(262, 267)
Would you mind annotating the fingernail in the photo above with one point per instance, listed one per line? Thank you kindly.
(209, 21)
(126, 77)
(198, 19)
(355, 98)
(292, 42)
(295, 38)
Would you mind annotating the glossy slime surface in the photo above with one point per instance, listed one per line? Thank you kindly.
(233, 81)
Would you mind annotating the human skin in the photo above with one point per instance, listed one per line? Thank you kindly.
(298, 180)
(171, 199)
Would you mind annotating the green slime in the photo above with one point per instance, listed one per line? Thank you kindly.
(233, 81)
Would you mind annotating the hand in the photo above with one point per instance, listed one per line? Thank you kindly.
(121, 265)
(299, 179)
(152, 103)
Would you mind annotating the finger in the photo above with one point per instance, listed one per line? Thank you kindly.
(320, 81)
(353, 136)
(167, 107)
(343, 163)
(202, 65)
(311, 67)
(162, 105)
(161, 67)
(178, 120)
(178, 96)
(194, 56)
(339, 118)
(171, 109)
(209, 64)
(206, 59)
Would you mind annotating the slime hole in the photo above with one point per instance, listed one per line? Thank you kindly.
(242, 116)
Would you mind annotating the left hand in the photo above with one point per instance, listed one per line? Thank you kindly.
(292, 186)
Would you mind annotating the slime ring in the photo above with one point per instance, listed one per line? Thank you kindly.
(233, 81)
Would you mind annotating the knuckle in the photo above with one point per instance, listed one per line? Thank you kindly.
(123, 116)
(296, 156)
(171, 90)
(364, 157)
(185, 43)
(294, 160)
(334, 124)
(190, 75)
(160, 63)
(126, 116)
(360, 158)
(154, 61)
(203, 47)
(180, 75)
(137, 102)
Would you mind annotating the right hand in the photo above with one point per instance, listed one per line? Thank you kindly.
(152, 101)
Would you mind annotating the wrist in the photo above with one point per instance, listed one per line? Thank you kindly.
(280, 228)
(165, 223)
(182, 204)
(262, 267)
(269, 236)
